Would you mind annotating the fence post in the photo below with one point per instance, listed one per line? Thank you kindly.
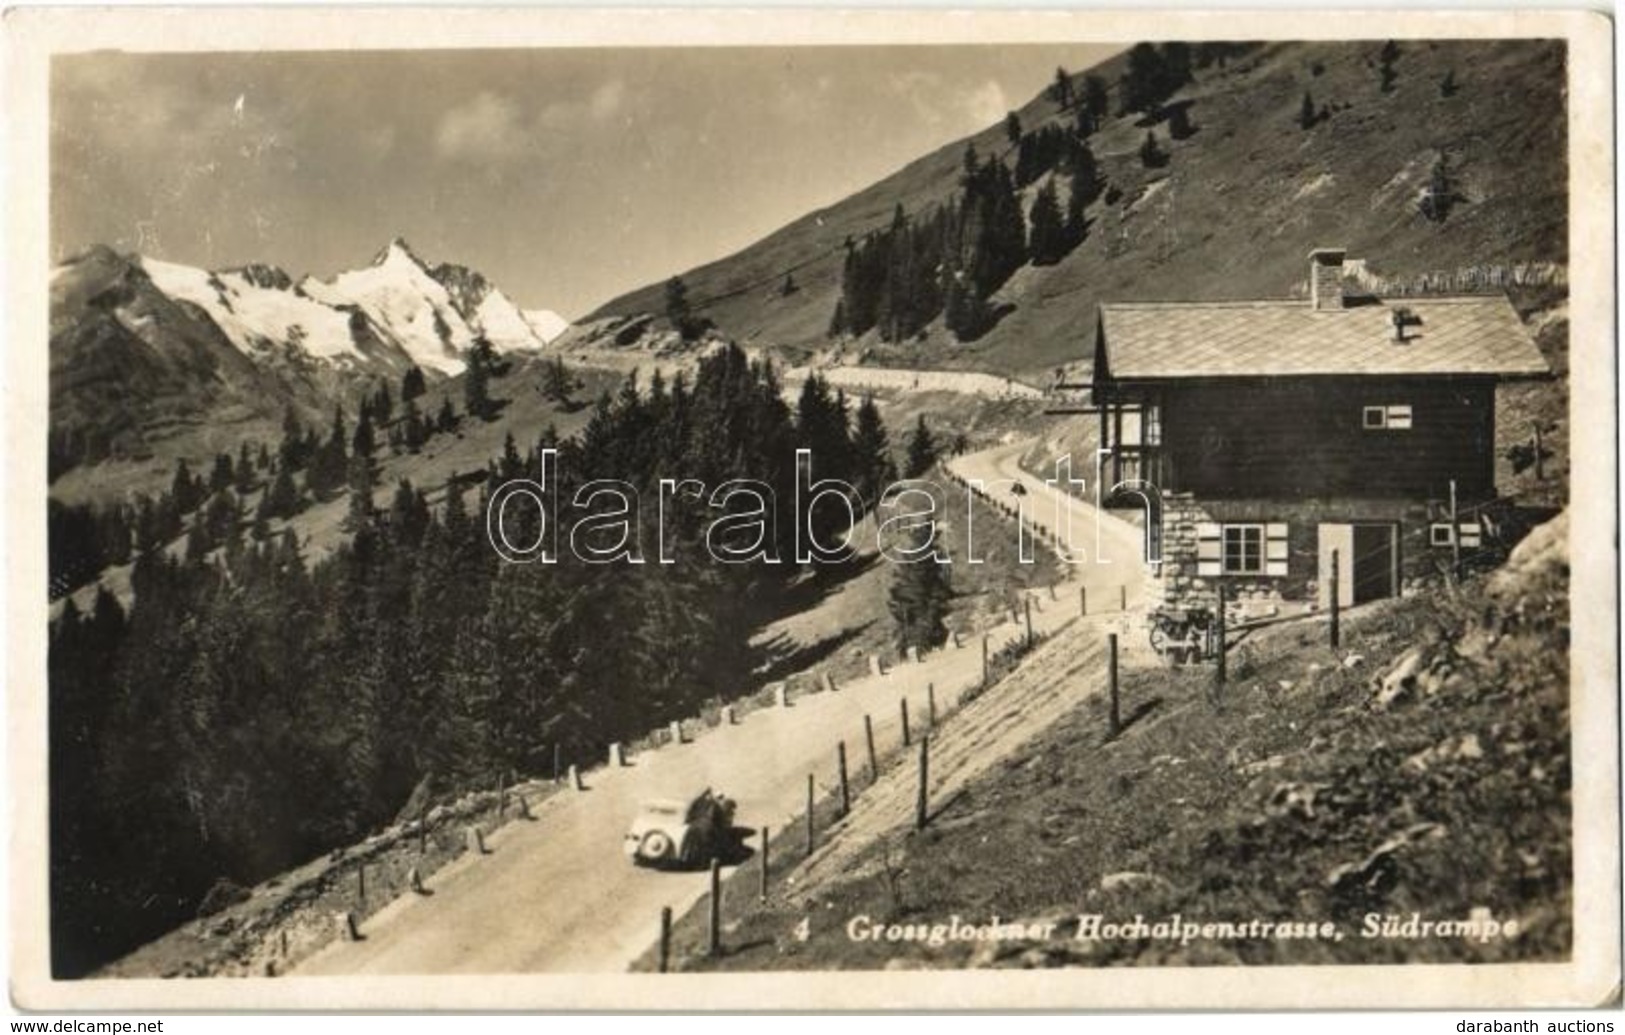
(616, 758)
(714, 947)
(902, 706)
(1083, 600)
(1122, 598)
(869, 736)
(840, 762)
(1540, 461)
(347, 926)
(575, 778)
(556, 753)
(476, 840)
(1114, 722)
(781, 694)
(1028, 609)
(1052, 595)
(524, 807)
(920, 799)
(764, 864)
(1455, 536)
(677, 732)
(1221, 671)
(423, 829)
(984, 661)
(931, 705)
(809, 813)
(414, 877)
(665, 938)
(361, 883)
(1336, 594)
(829, 683)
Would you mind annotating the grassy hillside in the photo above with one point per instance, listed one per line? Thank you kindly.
(1233, 214)
(1424, 767)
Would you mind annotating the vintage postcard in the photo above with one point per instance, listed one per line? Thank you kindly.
(745, 509)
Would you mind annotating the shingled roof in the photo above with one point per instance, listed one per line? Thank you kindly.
(1466, 336)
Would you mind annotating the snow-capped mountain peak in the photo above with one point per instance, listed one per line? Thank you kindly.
(394, 312)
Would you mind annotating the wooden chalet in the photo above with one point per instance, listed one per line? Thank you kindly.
(1277, 432)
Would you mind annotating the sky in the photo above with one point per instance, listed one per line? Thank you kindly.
(567, 176)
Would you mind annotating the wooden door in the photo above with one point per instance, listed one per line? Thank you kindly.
(1374, 567)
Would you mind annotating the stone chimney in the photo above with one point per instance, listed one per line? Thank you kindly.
(1326, 278)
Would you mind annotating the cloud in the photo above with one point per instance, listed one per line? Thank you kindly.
(987, 103)
(605, 102)
(944, 105)
(488, 128)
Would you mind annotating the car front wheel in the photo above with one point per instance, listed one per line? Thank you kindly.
(655, 846)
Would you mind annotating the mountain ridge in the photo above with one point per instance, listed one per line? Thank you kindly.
(1246, 189)
(145, 350)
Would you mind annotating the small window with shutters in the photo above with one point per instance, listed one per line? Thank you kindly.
(1386, 418)
(1275, 550)
(1241, 549)
(1469, 533)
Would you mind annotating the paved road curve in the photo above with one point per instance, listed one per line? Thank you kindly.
(557, 895)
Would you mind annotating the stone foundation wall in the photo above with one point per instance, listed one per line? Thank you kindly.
(1181, 586)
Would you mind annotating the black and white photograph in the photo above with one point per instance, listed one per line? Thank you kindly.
(607, 510)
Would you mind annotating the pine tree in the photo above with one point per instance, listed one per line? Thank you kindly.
(1307, 116)
(873, 468)
(292, 449)
(1095, 102)
(223, 474)
(197, 542)
(1141, 85)
(244, 478)
(412, 432)
(1151, 155)
(329, 465)
(678, 310)
(1047, 241)
(557, 382)
(922, 451)
(412, 384)
(1385, 59)
(183, 489)
(1085, 188)
(408, 514)
(363, 478)
(446, 419)
(476, 380)
(920, 599)
(1440, 195)
(1012, 129)
(364, 443)
(1060, 90)
(281, 500)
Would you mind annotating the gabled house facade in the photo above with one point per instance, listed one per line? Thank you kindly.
(1280, 433)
